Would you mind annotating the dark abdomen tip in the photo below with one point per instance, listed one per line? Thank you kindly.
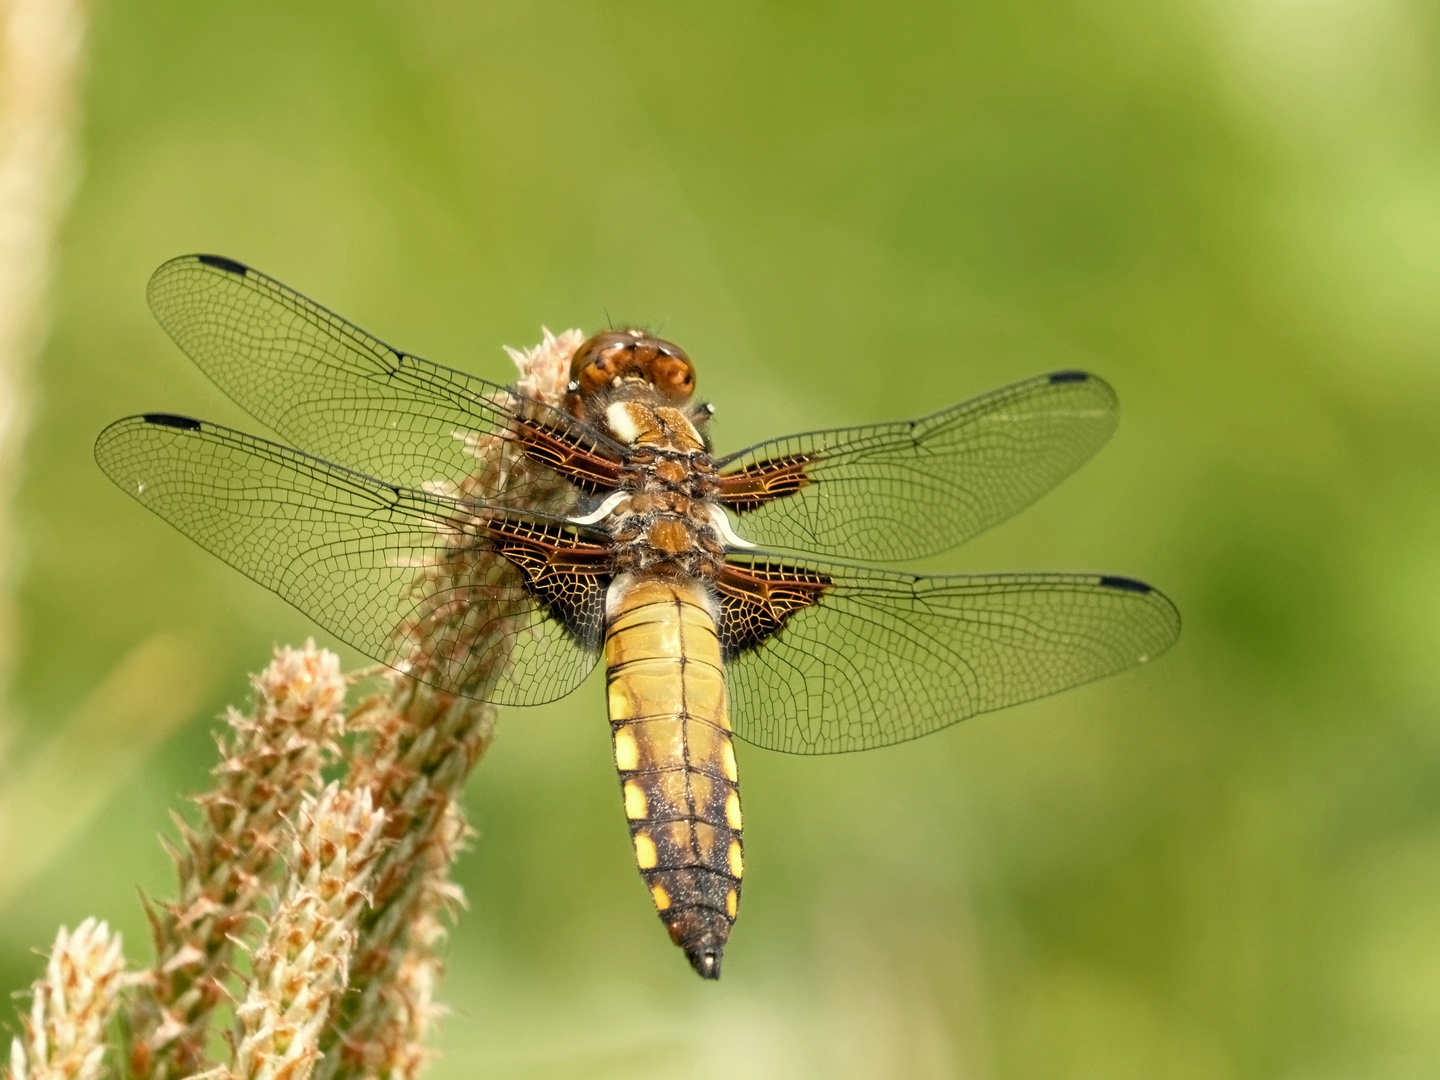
(1068, 376)
(702, 932)
(706, 962)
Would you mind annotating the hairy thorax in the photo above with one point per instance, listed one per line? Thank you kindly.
(666, 518)
(663, 513)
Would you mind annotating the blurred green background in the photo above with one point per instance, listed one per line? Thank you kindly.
(1224, 866)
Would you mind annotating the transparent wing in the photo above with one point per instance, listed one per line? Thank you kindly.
(416, 581)
(330, 388)
(904, 490)
(881, 657)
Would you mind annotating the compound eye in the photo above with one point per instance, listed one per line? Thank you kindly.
(673, 375)
(602, 368)
(599, 360)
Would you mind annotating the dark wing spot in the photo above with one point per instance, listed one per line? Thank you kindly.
(1125, 583)
(165, 419)
(220, 262)
(1068, 376)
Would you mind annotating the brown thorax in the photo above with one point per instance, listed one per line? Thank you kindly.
(636, 388)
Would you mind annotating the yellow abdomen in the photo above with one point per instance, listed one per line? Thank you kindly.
(671, 730)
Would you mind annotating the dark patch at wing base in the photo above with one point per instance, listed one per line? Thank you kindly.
(757, 598)
(565, 573)
(584, 463)
(755, 485)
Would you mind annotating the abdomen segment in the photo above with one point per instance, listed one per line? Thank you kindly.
(671, 732)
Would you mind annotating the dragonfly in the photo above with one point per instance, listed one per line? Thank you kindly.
(498, 545)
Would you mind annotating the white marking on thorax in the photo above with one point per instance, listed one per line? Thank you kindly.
(721, 521)
(602, 511)
(622, 423)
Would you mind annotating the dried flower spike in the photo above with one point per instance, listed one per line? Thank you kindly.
(71, 1007)
(302, 966)
(421, 747)
(271, 762)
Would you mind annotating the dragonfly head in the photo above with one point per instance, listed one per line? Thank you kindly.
(616, 360)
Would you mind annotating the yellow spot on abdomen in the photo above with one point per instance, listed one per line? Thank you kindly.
(732, 810)
(646, 856)
(662, 898)
(732, 903)
(619, 702)
(737, 863)
(627, 754)
(635, 804)
(727, 762)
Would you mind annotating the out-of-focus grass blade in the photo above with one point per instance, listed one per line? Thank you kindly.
(53, 794)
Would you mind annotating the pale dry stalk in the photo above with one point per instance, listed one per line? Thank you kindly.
(71, 1007)
(302, 966)
(422, 746)
(41, 67)
(270, 764)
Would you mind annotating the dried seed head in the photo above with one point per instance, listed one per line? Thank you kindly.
(272, 759)
(301, 684)
(421, 746)
(417, 745)
(71, 1007)
(545, 369)
(303, 965)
